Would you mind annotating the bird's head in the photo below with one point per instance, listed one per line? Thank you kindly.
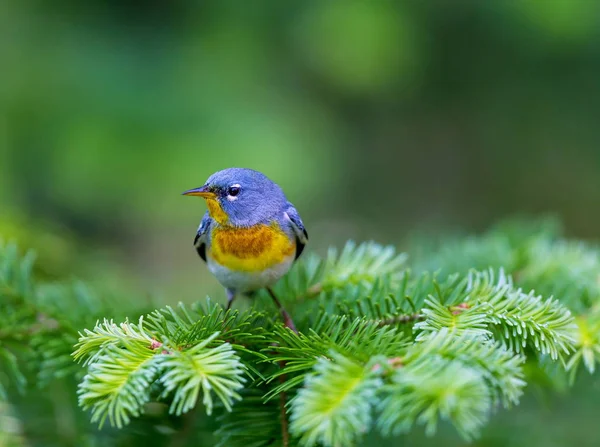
(240, 197)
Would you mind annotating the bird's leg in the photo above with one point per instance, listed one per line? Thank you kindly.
(230, 298)
(287, 320)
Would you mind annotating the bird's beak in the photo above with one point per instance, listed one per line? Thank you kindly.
(203, 191)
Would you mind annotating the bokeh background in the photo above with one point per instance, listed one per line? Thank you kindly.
(379, 119)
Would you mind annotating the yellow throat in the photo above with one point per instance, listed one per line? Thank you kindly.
(216, 211)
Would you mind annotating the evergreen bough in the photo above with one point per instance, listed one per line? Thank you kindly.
(384, 344)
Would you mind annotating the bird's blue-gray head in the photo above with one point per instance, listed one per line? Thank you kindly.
(241, 197)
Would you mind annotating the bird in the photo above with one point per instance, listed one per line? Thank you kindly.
(251, 235)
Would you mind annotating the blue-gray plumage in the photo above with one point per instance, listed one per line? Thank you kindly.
(251, 234)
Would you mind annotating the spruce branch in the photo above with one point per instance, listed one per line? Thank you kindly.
(10, 374)
(25, 325)
(377, 341)
(187, 326)
(357, 339)
(500, 368)
(15, 271)
(39, 321)
(53, 358)
(124, 360)
(93, 343)
(185, 373)
(564, 269)
(401, 299)
(430, 389)
(459, 378)
(587, 345)
(334, 406)
(117, 384)
(358, 265)
(251, 423)
(495, 308)
(438, 317)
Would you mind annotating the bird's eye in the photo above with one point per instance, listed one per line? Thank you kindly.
(233, 190)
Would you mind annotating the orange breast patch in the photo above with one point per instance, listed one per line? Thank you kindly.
(250, 249)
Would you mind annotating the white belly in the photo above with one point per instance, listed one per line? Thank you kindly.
(242, 282)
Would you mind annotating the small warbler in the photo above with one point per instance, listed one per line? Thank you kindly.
(251, 234)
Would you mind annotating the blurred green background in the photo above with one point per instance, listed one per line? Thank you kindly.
(379, 119)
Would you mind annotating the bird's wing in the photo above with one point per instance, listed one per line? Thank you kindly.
(202, 235)
(291, 214)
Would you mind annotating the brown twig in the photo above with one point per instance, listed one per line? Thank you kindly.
(285, 434)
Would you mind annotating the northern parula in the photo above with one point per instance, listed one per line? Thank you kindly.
(251, 234)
